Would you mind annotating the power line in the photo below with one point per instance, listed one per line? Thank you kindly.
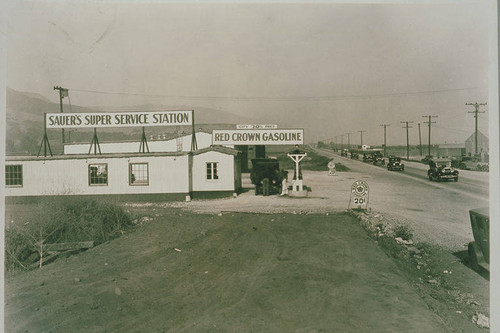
(278, 98)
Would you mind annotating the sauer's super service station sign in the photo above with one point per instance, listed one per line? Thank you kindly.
(118, 119)
(258, 137)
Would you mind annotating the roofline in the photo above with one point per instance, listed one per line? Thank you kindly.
(220, 149)
(136, 141)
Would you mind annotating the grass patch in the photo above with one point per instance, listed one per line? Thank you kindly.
(403, 231)
(312, 161)
(61, 220)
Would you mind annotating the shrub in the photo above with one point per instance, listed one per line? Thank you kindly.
(403, 231)
(62, 220)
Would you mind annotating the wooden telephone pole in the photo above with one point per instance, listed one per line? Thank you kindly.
(385, 138)
(407, 138)
(361, 138)
(430, 122)
(63, 92)
(476, 111)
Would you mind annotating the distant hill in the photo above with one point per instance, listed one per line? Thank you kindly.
(24, 122)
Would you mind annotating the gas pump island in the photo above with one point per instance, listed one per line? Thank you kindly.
(297, 185)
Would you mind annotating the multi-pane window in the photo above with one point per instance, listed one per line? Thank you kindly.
(138, 174)
(14, 175)
(212, 170)
(98, 174)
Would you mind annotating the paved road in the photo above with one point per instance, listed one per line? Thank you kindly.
(472, 183)
(438, 211)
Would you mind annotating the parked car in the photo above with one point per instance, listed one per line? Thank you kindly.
(479, 249)
(344, 153)
(395, 164)
(441, 169)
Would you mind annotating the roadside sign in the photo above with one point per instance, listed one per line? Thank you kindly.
(118, 119)
(254, 126)
(359, 194)
(331, 168)
(258, 137)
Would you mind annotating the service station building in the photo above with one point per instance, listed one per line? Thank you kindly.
(175, 169)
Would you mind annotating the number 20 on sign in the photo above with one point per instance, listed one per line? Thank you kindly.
(359, 195)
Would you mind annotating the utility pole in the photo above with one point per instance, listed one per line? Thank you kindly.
(385, 138)
(430, 122)
(349, 140)
(476, 111)
(342, 142)
(420, 140)
(407, 139)
(361, 138)
(63, 92)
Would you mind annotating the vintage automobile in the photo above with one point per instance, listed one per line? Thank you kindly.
(367, 157)
(378, 158)
(441, 169)
(344, 152)
(395, 164)
(354, 155)
(269, 168)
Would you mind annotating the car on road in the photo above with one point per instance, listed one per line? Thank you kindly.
(395, 164)
(378, 158)
(367, 157)
(441, 169)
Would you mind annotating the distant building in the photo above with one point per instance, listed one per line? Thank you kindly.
(451, 150)
(482, 144)
(162, 145)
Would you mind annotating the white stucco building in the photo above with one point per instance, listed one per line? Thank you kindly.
(209, 172)
(181, 143)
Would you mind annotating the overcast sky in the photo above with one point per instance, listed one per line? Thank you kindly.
(329, 68)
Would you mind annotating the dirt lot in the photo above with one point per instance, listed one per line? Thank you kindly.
(230, 273)
(255, 264)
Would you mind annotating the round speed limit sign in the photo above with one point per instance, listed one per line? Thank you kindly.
(359, 188)
(331, 165)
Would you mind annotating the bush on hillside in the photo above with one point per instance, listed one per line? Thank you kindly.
(62, 220)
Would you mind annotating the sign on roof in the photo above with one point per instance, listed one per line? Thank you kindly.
(262, 126)
(118, 119)
(258, 137)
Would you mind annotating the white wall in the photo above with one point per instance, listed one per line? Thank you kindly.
(203, 140)
(167, 174)
(225, 172)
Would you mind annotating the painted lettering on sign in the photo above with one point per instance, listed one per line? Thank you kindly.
(258, 137)
(119, 119)
(261, 126)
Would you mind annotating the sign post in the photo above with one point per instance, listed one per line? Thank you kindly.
(331, 168)
(359, 195)
(297, 184)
